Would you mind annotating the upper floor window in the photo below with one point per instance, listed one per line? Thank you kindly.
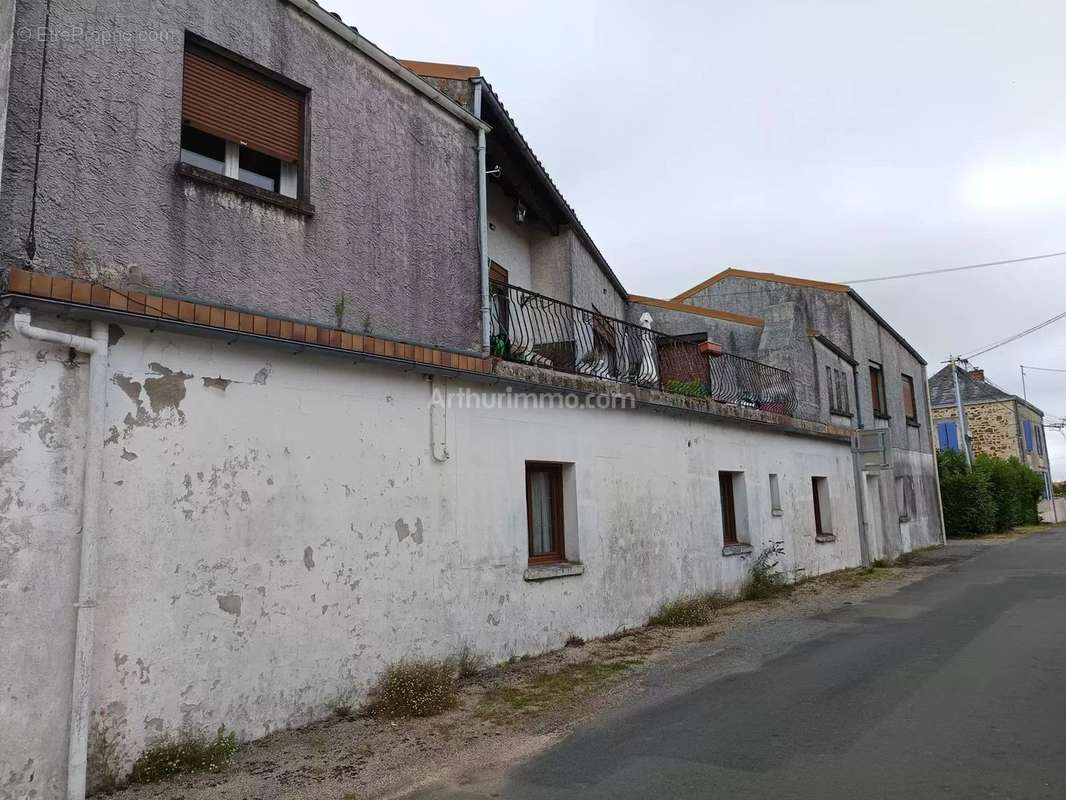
(1027, 426)
(910, 407)
(241, 121)
(1039, 440)
(877, 391)
(837, 381)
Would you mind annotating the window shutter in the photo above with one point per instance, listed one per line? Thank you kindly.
(223, 101)
(948, 435)
(1028, 427)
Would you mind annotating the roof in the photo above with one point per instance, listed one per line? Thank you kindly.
(430, 69)
(788, 280)
(350, 35)
(713, 313)
(760, 276)
(942, 390)
(538, 168)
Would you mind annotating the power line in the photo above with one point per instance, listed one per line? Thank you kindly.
(956, 269)
(1016, 336)
(1043, 369)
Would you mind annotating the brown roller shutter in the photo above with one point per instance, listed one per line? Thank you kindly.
(231, 104)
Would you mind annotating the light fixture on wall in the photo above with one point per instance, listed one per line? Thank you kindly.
(519, 212)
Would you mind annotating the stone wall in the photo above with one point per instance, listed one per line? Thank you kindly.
(992, 426)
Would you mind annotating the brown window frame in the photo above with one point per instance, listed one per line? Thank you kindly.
(248, 69)
(908, 394)
(877, 391)
(729, 508)
(555, 473)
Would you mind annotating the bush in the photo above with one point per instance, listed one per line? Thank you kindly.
(184, 755)
(688, 611)
(413, 688)
(995, 495)
(765, 580)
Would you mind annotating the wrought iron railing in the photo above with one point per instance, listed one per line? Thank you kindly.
(743, 382)
(534, 329)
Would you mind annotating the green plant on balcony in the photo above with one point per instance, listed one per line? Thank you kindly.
(692, 388)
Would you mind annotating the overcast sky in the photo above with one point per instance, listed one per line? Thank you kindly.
(831, 139)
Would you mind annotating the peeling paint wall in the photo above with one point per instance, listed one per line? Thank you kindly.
(271, 545)
(393, 177)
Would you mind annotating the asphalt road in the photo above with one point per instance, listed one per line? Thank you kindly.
(952, 687)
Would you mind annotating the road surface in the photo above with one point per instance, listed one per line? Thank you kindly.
(952, 687)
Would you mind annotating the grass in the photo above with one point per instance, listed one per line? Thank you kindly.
(689, 611)
(188, 754)
(414, 688)
(468, 663)
(551, 688)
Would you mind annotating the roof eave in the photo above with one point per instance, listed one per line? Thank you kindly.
(535, 165)
(385, 61)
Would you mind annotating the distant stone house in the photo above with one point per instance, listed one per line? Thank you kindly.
(997, 423)
(286, 397)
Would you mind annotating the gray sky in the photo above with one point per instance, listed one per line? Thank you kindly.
(831, 139)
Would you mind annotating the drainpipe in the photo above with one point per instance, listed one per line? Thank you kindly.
(482, 223)
(936, 458)
(85, 605)
(860, 480)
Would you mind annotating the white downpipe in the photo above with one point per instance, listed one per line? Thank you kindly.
(482, 225)
(85, 605)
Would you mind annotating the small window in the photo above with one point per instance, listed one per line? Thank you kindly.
(947, 435)
(1028, 428)
(823, 520)
(905, 502)
(240, 122)
(775, 495)
(729, 508)
(836, 381)
(910, 409)
(877, 391)
(544, 512)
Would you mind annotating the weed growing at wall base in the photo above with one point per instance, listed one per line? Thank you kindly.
(689, 611)
(412, 688)
(764, 579)
(187, 754)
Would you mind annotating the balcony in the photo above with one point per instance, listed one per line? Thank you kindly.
(530, 328)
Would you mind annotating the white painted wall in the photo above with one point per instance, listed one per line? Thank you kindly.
(270, 546)
(509, 244)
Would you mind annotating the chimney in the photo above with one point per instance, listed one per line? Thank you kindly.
(977, 374)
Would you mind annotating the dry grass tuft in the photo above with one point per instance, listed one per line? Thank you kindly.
(689, 611)
(413, 688)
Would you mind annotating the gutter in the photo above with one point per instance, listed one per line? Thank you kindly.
(482, 224)
(85, 606)
(385, 61)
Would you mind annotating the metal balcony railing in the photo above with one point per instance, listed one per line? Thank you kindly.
(531, 328)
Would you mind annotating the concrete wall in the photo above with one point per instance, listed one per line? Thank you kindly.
(590, 286)
(392, 176)
(841, 319)
(277, 531)
(7, 32)
(509, 242)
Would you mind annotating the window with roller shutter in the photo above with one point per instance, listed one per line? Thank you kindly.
(241, 121)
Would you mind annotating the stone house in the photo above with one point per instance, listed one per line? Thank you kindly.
(306, 366)
(997, 422)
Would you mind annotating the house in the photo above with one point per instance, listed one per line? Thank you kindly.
(997, 422)
(287, 397)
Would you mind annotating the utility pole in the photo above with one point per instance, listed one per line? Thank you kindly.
(1024, 396)
(961, 411)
